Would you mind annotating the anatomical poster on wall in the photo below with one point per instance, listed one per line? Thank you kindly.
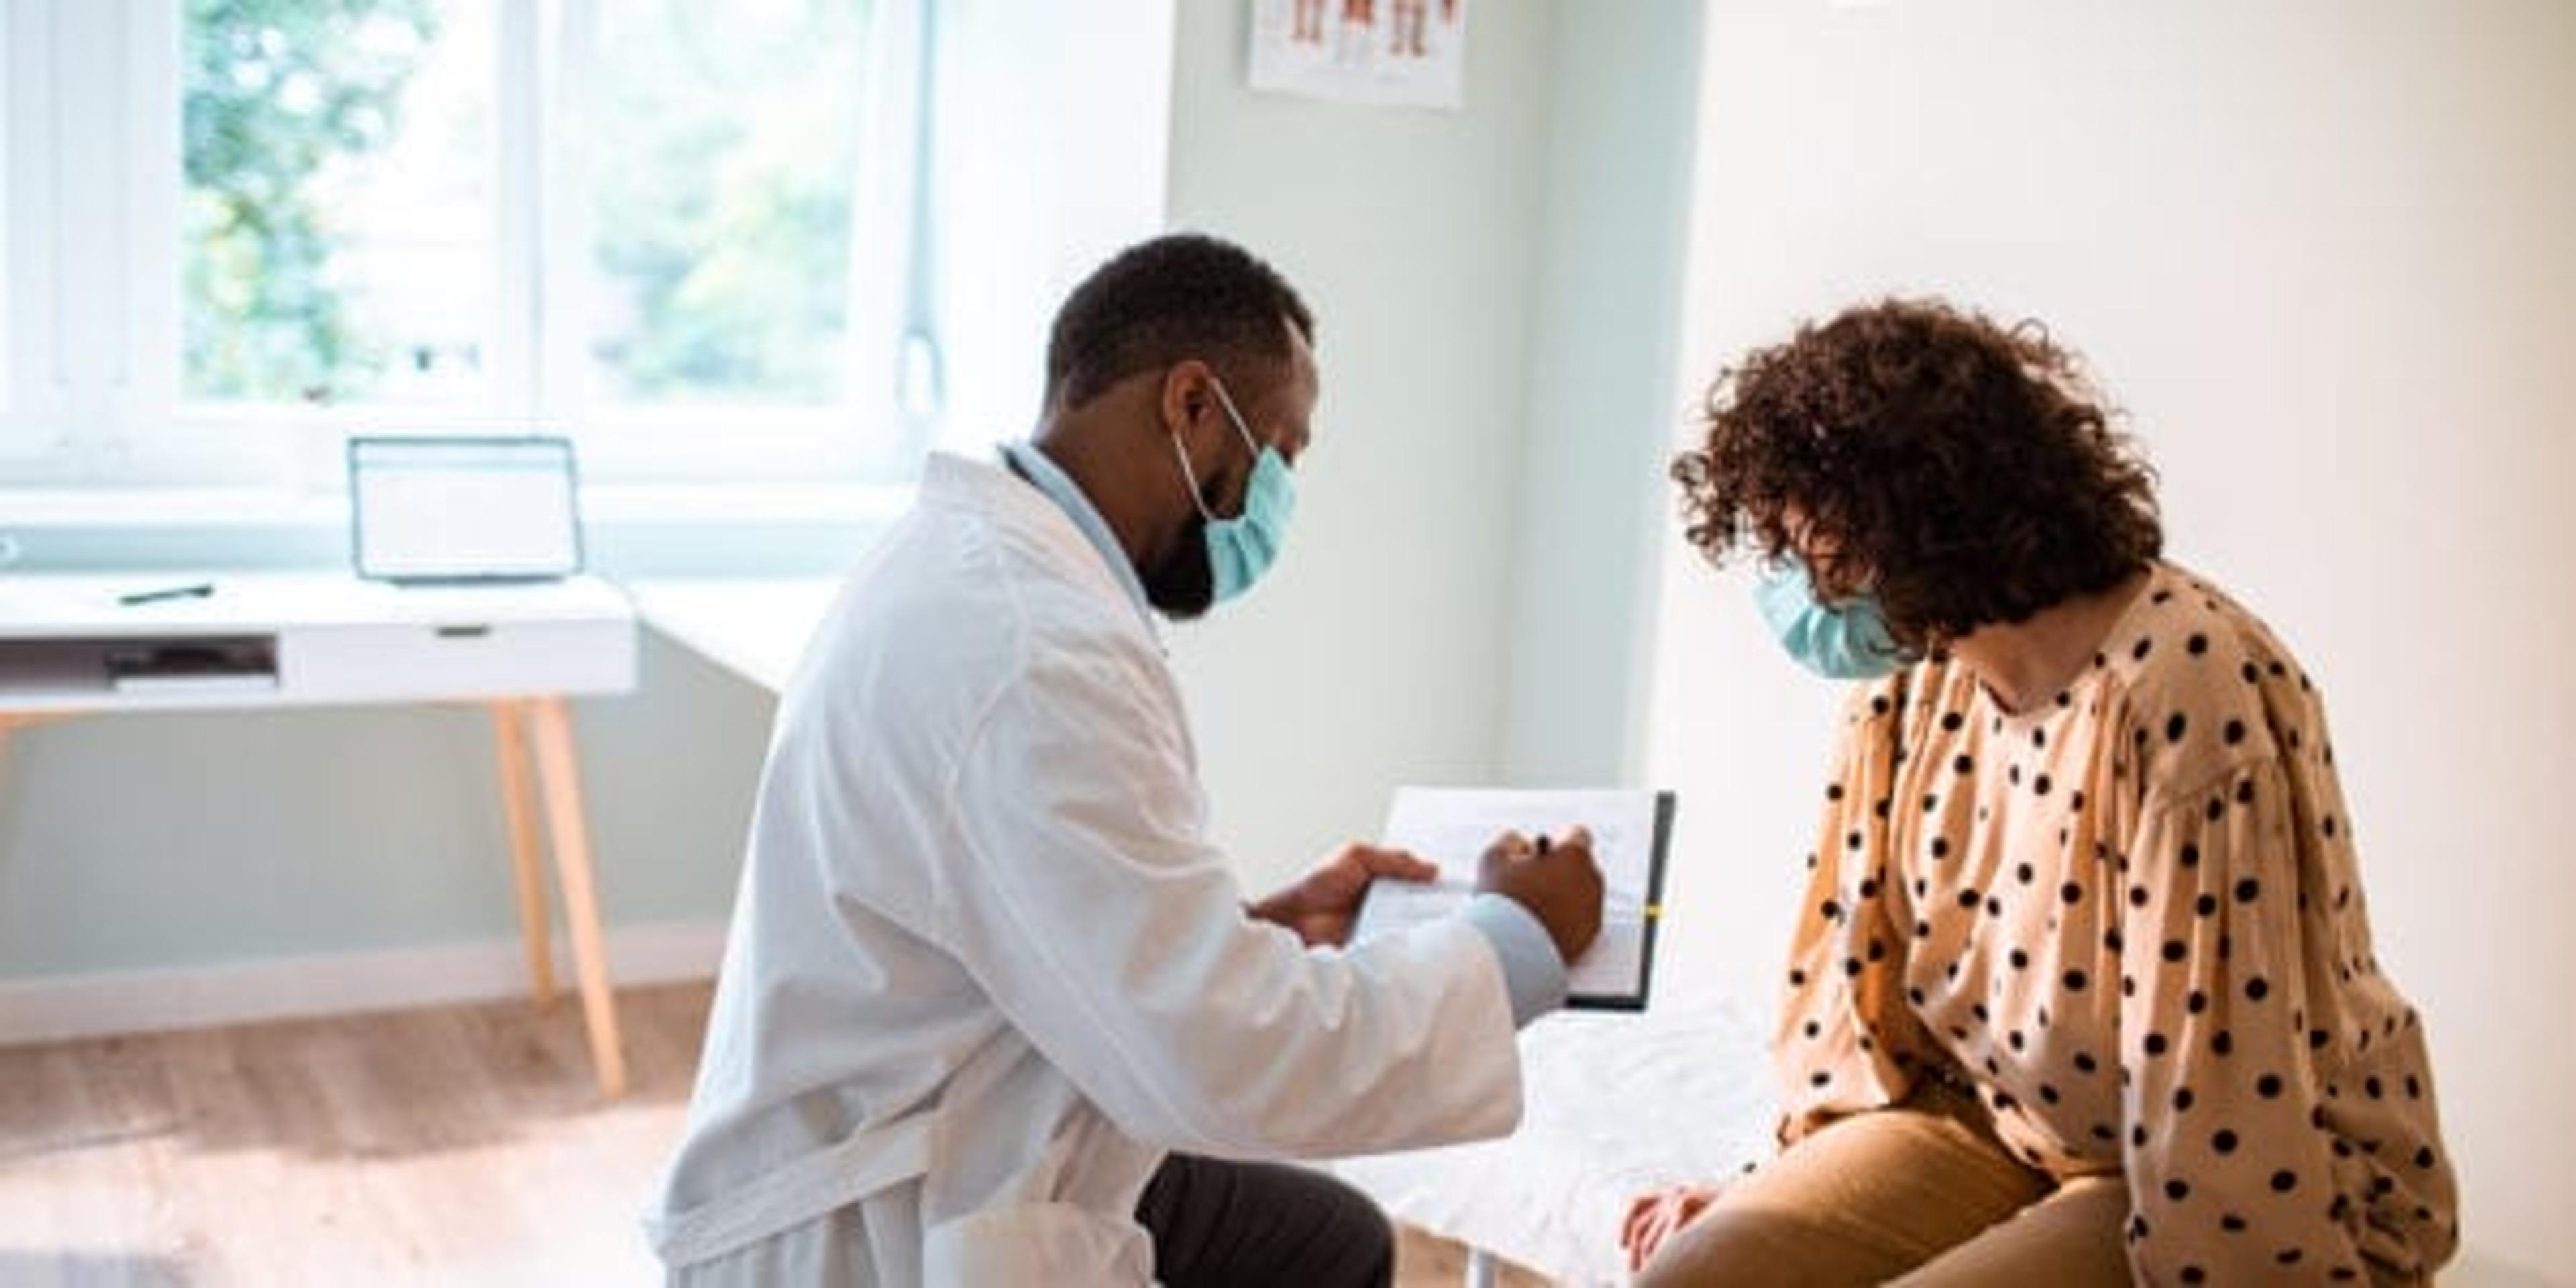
(1407, 53)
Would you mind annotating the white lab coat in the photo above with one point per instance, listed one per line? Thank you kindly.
(985, 966)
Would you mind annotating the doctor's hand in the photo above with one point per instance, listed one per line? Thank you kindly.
(1555, 878)
(1322, 906)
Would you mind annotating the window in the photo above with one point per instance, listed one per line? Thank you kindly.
(336, 226)
(696, 237)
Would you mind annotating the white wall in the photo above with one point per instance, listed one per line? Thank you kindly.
(2323, 252)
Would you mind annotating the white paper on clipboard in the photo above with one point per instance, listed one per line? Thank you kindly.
(1631, 830)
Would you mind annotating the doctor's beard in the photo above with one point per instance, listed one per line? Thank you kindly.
(1183, 586)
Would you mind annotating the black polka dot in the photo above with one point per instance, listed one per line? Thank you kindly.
(2175, 726)
(1951, 720)
(2140, 651)
(2223, 1141)
(2039, 785)
(2075, 981)
(2235, 732)
(2086, 1062)
(2182, 1099)
(2174, 950)
(2268, 1086)
(2198, 644)
(2248, 890)
(2177, 1189)
(2071, 892)
(2156, 1044)
(1963, 765)
(2232, 1223)
(2206, 905)
(2284, 1181)
(2257, 988)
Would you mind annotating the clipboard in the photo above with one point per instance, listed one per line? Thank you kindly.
(1632, 840)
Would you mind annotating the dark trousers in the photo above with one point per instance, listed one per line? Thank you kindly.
(1248, 1224)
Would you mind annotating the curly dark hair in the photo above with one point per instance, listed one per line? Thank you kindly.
(1962, 472)
(1180, 296)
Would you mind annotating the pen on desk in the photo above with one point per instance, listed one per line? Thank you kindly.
(198, 591)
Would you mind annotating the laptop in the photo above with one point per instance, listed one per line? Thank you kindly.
(441, 510)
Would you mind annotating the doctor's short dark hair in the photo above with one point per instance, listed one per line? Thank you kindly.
(1170, 299)
(1964, 472)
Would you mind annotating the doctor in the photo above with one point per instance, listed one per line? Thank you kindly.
(993, 1009)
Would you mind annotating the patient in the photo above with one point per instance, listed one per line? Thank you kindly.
(2082, 988)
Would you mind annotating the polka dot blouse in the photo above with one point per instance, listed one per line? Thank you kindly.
(2131, 921)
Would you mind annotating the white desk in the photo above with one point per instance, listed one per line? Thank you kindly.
(68, 647)
(756, 628)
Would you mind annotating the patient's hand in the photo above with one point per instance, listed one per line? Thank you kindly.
(1654, 1217)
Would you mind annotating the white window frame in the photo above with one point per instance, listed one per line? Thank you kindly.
(1050, 133)
(93, 240)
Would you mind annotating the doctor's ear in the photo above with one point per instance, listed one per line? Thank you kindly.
(1188, 395)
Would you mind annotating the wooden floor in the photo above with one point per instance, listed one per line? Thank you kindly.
(457, 1145)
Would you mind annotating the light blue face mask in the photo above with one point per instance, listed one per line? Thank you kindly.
(1242, 548)
(1845, 642)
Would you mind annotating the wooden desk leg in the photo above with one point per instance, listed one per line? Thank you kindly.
(556, 765)
(518, 803)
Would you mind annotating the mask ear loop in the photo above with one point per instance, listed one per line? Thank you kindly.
(1193, 477)
(1225, 400)
(1197, 496)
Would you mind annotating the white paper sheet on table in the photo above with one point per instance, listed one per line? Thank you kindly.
(1453, 826)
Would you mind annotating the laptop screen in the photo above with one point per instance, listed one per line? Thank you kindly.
(463, 509)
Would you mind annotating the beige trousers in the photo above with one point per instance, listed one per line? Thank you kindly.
(1919, 1194)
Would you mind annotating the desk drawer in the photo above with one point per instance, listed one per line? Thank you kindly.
(397, 662)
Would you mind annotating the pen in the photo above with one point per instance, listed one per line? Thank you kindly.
(198, 591)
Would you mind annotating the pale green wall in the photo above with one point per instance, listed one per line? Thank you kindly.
(1603, 405)
(1487, 282)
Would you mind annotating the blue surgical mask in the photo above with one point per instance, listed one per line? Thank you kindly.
(1242, 548)
(1848, 641)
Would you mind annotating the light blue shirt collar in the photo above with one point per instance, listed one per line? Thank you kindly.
(1050, 478)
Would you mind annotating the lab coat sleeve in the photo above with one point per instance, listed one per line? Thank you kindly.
(1083, 896)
